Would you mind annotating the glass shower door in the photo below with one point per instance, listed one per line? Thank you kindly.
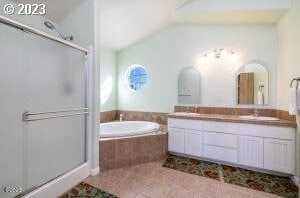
(43, 110)
(55, 103)
(11, 105)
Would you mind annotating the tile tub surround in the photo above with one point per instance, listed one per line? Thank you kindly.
(109, 116)
(152, 180)
(160, 118)
(123, 152)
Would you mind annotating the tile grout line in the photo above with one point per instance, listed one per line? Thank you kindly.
(220, 170)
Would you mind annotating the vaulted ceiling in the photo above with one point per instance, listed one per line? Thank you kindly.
(124, 22)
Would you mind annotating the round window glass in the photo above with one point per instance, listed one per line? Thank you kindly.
(136, 77)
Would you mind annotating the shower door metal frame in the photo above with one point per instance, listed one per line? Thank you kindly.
(26, 28)
(67, 112)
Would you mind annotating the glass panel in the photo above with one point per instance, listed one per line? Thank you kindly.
(136, 77)
(55, 146)
(55, 80)
(253, 84)
(38, 75)
(55, 74)
(189, 86)
(11, 105)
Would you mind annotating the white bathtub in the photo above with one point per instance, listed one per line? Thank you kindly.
(127, 128)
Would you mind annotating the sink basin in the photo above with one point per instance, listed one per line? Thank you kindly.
(267, 118)
(186, 114)
(262, 118)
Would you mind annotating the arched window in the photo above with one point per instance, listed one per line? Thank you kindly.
(136, 77)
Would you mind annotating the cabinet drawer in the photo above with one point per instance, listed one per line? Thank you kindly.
(267, 131)
(220, 153)
(224, 127)
(221, 139)
(185, 124)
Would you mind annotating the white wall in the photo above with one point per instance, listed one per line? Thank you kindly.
(79, 23)
(288, 61)
(108, 80)
(179, 46)
(288, 54)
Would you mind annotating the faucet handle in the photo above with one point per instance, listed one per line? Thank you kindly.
(256, 112)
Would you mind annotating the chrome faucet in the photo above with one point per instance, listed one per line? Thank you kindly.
(187, 109)
(195, 109)
(256, 112)
(121, 117)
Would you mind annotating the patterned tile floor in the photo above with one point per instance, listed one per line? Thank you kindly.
(193, 166)
(84, 190)
(152, 180)
(282, 186)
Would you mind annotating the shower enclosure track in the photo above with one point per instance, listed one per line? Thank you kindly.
(26, 28)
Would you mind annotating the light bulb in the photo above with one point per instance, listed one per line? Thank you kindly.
(224, 53)
(233, 56)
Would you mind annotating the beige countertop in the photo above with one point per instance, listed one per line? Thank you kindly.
(233, 118)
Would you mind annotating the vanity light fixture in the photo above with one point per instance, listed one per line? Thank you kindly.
(233, 56)
(220, 53)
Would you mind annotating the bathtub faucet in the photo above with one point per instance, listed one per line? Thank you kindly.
(121, 117)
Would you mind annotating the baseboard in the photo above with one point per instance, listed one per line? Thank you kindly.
(296, 180)
(62, 184)
(95, 171)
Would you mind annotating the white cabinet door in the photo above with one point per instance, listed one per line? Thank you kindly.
(176, 140)
(279, 155)
(193, 143)
(251, 151)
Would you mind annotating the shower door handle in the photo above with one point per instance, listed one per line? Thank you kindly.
(54, 114)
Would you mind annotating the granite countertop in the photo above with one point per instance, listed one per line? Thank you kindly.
(233, 118)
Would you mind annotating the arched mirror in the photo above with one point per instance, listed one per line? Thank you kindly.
(189, 86)
(253, 84)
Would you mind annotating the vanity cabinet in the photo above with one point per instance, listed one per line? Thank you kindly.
(176, 140)
(258, 146)
(251, 151)
(193, 142)
(186, 141)
(221, 146)
(279, 155)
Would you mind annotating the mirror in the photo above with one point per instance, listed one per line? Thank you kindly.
(253, 84)
(189, 86)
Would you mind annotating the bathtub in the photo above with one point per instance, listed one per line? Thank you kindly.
(127, 128)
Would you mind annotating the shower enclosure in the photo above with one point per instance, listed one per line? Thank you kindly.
(44, 112)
